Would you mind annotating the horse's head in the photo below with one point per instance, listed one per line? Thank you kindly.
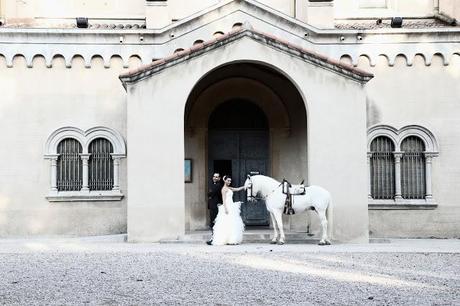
(259, 187)
(250, 194)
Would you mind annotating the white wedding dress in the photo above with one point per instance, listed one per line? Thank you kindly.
(228, 228)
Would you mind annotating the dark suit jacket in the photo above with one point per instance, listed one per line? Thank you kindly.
(214, 195)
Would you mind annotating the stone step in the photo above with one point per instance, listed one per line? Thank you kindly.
(248, 237)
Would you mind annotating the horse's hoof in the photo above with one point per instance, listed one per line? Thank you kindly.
(328, 242)
(273, 242)
(322, 243)
(280, 242)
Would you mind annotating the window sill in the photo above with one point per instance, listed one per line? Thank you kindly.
(81, 196)
(402, 204)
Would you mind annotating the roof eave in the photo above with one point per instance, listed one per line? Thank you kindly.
(312, 57)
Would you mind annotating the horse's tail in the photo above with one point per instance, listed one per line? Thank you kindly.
(329, 217)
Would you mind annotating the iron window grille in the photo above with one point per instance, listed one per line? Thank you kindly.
(413, 183)
(100, 165)
(69, 165)
(382, 168)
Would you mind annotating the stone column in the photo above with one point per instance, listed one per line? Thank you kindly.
(116, 172)
(398, 156)
(85, 160)
(369, 175)
(428, 166)
(53, 176)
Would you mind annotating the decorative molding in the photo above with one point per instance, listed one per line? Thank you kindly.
(381, 130)
(81, 196)
(313, 58)
(401, 204)
(431, 145)
(219, 92)
(153, 44)
(407, 51)
(88, 57)
(85, 138)
(397, 136)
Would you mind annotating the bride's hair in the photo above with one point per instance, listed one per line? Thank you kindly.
(227, 177)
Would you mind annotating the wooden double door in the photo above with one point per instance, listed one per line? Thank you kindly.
(239, 153)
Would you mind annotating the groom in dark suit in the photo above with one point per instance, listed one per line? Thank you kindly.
(214, 198)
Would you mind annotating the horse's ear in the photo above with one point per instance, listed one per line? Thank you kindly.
(249, 176)
(301, 183)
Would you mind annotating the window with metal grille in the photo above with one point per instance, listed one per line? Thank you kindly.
(69, 165)
(382, 168)
(413, 184)
(100, 168)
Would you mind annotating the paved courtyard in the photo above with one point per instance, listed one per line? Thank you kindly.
(107, 271)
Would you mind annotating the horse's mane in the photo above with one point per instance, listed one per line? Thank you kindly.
(267, 177)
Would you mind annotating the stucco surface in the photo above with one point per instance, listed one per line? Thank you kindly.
(36, 102)
(426, 96)
(338, 114)
(416, 82)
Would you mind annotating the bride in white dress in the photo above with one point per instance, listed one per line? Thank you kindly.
(228, 227)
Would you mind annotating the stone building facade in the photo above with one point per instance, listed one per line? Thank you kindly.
(102, 101)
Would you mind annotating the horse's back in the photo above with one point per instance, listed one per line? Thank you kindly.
(315, 191)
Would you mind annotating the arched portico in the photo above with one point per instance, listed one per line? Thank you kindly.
(170, 101)
(242, 145)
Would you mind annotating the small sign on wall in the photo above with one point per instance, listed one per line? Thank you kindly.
(188, 170)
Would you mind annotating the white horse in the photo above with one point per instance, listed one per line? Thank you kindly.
(315, 198)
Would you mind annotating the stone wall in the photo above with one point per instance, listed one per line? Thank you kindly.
(34, 103)
(428, 96)
(50, 79)
(155, 102)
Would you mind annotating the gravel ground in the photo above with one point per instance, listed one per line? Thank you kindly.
(102, 273)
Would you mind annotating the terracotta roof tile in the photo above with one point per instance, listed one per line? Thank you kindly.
(197, 47)
(305, 53)
(210, 42)
(172, 57)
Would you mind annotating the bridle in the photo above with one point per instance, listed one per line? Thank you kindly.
(252, 197)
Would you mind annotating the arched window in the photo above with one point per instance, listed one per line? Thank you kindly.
(100, 164)
(413, 184)
(382, 168)
(85, 165)
(69, 165)
(414, 148)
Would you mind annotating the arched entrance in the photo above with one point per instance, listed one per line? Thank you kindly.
(238, 145)
(168, 110)
(243, 118)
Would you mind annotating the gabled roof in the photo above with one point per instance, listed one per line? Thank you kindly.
(241, 4)
(309, 56)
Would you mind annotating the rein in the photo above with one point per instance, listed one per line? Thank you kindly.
(251, 196)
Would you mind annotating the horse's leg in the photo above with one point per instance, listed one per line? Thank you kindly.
(309, 234)
(279, 220)
(323, 220)
(275, 231)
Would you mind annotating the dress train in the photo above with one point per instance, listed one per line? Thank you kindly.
(228, 228)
